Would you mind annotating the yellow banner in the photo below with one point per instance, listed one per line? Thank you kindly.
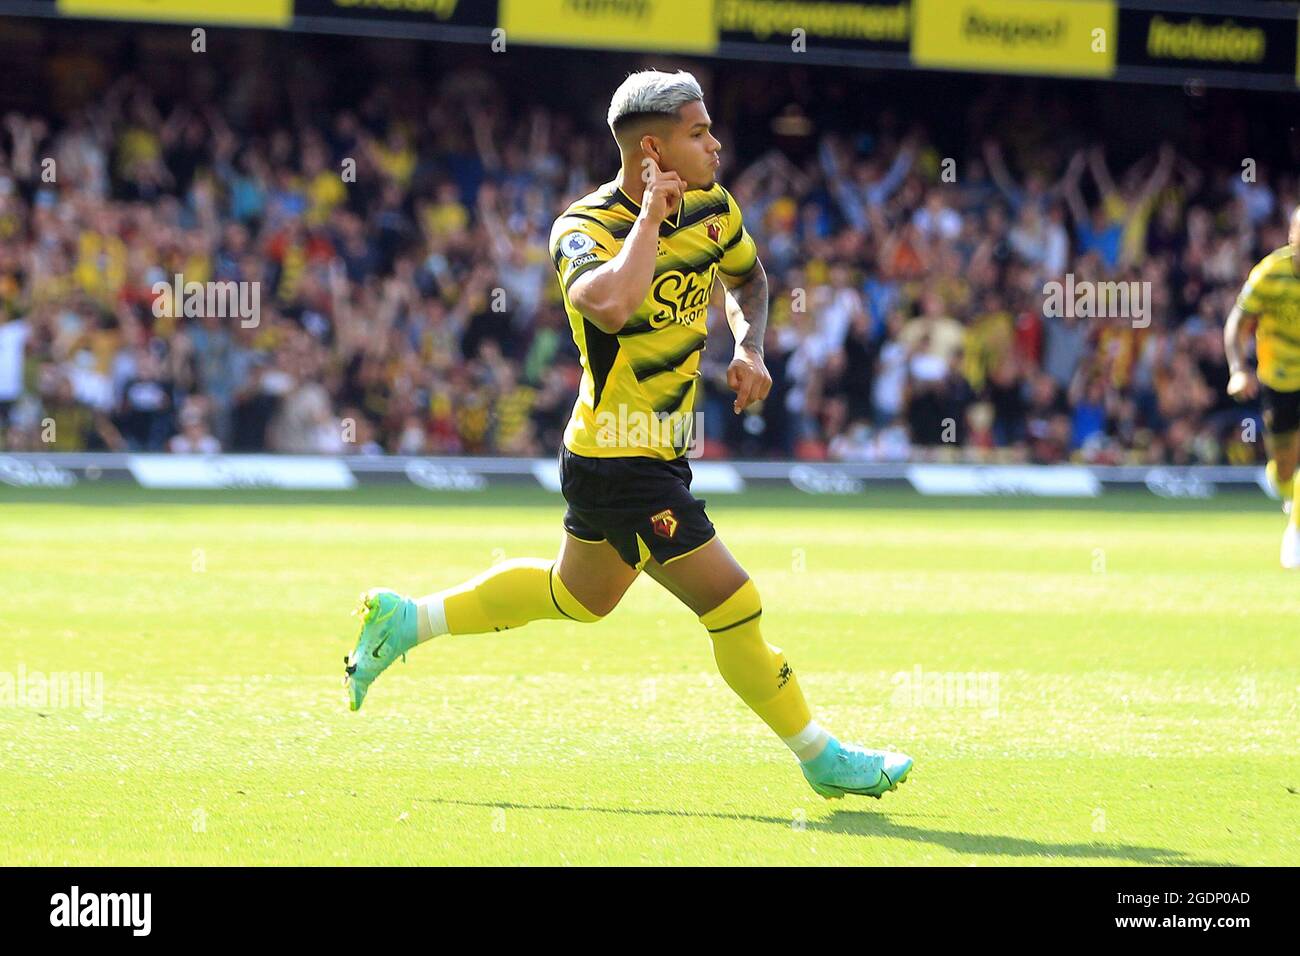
(252, 13)
(684, 26)
(872, 22)
(1062, 37)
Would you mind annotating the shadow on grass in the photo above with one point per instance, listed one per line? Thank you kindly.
(868, 823)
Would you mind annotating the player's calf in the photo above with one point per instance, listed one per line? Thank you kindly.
(1281, 481)
(506, 596)
(763, 678)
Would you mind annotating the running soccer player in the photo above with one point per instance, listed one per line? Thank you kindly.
(1269, 306)
(638, 260)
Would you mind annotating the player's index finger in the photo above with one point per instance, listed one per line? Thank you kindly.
(744, 392)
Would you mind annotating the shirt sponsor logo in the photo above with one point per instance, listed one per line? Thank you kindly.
(684, 297)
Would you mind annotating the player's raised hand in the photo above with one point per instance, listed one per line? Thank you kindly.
(663, 191)
(748, 376)
(1243, 385)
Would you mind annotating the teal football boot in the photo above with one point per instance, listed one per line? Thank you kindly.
(841, 769)
(388, 631)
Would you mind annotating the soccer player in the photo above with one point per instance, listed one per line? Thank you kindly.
(1269, 306)
(638, 260)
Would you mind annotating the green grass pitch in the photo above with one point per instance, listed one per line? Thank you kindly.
(1110, 683)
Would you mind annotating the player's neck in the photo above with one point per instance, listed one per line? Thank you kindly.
(630, 181)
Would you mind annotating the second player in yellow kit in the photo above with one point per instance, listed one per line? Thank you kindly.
(1269, 306)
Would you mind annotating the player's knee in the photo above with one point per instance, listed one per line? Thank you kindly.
(587, 612)
(743, 606)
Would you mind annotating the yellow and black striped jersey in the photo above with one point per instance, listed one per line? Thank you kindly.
(1272, 292)
(638, 386)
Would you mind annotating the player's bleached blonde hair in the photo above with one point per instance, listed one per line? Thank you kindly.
(651, 93)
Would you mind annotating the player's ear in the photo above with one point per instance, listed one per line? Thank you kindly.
(650, 145)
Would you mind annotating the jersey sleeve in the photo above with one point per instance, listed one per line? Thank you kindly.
(1251, 300)
(739, 254)
(578, 245)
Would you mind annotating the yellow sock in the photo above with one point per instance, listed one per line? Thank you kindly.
(1284, 489)
(753, 668)
(507, 595)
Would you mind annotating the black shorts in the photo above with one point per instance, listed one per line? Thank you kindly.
(1281, 410)
(641, 506)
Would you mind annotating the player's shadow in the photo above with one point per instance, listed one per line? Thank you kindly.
(867, 823)
(875, 824)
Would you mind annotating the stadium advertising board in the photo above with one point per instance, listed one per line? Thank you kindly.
(473, 474)
(683, 26)
(296, 472)
(1056, 481)
(1056, 37)
(401, 17)
(1198, 43)
(260, 13)
(842, 24)
(1246, 43)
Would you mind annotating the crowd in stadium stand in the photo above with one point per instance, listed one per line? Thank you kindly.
(408, 303)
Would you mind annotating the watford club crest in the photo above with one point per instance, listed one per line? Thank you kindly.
(714, 230)
(664, 523)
